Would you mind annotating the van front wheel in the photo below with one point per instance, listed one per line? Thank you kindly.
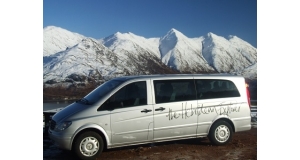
(88, 145)
(220, 133)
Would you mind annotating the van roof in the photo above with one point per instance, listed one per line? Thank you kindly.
(125, 78)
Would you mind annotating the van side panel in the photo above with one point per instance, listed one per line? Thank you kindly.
(130, 121)
(210, 110)
(174, 117)
(130, 125)
(242, 119)
(216, 102)
(176, 121)
(90, 119)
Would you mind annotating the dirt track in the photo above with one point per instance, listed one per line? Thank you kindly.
(243, 146)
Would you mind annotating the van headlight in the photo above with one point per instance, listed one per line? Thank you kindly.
(62, 126)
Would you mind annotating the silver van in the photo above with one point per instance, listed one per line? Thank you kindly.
(135, 110)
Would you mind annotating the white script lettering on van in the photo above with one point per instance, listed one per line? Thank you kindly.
(220, 109)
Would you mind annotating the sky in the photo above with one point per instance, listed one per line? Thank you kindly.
(154, 18)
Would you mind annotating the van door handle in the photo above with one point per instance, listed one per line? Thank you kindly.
(160, 109)
(146, 110)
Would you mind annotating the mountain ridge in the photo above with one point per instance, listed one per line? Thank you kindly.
(68, 54)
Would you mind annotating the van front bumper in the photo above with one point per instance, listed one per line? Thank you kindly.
(62, 140)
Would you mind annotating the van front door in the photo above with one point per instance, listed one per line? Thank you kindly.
(131, 117)
(174, 109)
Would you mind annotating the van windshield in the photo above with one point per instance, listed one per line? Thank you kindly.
(100, 91)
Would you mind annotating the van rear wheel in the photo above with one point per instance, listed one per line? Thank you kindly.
(88, 145)
(220, 133)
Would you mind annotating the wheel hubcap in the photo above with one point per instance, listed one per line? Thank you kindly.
(222, 133)
(89, 146)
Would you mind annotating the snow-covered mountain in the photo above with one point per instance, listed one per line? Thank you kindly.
(230, 55)
(249, 72)
(131, 43)
(183, 53)
(87, 59)
(73, 58)
(56, 39)
(91, 61)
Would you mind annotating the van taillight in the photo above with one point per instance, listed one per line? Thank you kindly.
(248, 95)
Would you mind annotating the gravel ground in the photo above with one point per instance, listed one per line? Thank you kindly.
(243, 146)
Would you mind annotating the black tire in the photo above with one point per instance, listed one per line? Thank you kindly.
(88, 145)
(220, 133)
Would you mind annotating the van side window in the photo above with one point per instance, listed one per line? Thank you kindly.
(212, 88)
(133, 94)
(174, 90)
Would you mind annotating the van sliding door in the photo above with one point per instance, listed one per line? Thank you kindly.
(175, 102)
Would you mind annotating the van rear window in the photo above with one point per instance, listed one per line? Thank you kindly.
(188, 89)
(215, 88)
